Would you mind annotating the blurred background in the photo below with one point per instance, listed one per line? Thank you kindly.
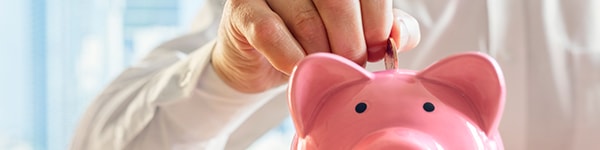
(56, 56)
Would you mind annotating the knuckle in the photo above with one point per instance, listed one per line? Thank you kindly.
(307, 25)
(336, 4)
(266, 28)
(307, 18)
(240, 14)
(234, 4)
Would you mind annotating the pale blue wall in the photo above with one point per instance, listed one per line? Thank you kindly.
(56, 55)
(16, 101)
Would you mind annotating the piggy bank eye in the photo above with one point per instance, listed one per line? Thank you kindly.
(360, 107)
(428, 107)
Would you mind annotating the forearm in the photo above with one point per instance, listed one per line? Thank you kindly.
(205, 112)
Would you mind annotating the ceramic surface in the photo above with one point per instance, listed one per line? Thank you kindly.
(454, 104)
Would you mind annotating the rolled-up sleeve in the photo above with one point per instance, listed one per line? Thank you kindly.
(183, 106)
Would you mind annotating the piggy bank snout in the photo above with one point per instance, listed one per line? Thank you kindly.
(397, 138)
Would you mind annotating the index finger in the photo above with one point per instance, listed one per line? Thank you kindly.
(268, 34)
(343, 22)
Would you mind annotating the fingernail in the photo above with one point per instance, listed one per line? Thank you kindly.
(410, 34)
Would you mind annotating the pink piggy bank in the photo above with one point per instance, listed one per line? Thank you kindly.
(454, 104)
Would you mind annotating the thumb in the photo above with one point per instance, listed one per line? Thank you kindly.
(405, 30)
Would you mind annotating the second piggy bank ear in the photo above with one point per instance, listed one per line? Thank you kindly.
(313, 78)
(475, 76)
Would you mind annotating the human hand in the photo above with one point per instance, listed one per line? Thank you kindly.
(260, 41)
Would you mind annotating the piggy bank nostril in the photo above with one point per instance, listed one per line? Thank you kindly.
(360, 107)
(428, 107)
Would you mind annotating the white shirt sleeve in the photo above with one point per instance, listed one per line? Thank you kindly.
(184, 106)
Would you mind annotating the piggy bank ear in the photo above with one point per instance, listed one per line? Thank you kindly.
(312, 79)
(478, 78)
